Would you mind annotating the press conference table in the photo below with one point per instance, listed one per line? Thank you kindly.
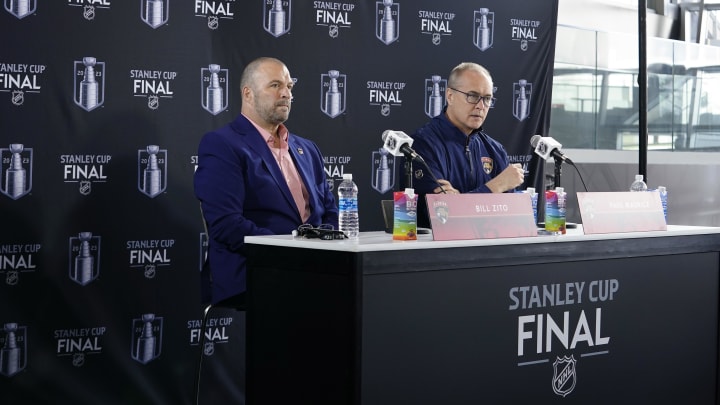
(624, 318)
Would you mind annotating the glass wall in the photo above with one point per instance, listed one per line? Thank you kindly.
(595, 92)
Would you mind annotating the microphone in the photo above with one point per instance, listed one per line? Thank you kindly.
(398, 143)
(546, 146)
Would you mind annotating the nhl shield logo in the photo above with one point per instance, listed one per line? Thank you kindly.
(387, 21)
(147, 334)
(522, 92)
(13, 341)
(153, 102)
(89, 13)
(332, 93)
(84, 258)
(434, 95)
(214, 83)
(383, 165)
(436, 38)
(150, 270)
(209, 348)
(12, 277)
(483, 28)
(152, 170)
(89, 87)
(20, 8)
(85, 187)
(17, 97)
(78, 359)
(155, 12)
(564, 375)
(16, 170)
(276, 16)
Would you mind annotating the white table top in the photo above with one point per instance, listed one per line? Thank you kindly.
(382, 241)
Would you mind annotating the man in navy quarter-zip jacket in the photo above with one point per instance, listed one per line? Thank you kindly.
(461, 156)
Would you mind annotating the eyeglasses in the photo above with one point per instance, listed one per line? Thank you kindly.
(472, 98)
(324, 232)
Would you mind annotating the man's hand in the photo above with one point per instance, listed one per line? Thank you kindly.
(445, 188)
(511, 177)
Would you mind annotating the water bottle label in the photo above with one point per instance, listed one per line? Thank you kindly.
(348, 203)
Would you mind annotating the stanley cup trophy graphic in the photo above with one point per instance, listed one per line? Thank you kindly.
(276, 19)
(154, 13)
(146, 346)
(83, 271)
(521, 106)
(333, 97)
(10, 355)
(20, 8)
(15, 175)
(152, 175)
(214, 94)
(388, 27)
(436, 99)
(383, 174)
(483, 34)
(89, 87)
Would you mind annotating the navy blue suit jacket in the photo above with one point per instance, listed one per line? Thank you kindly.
(243, 192)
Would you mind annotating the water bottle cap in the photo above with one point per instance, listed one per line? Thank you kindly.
(410, 192)
(559, 189)
(638, 177)
(531, 190)
(347, 176)
(662, 189)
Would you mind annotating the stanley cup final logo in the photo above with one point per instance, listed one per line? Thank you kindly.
(434, 95)
(13, 354)
(155, 12)
(214, 82)
(84, 258)
(152, 170)
(20, 8)
(332, 93)
(89, 83)
(387, 21)
(147, 338)
(521, 99)
(483, 28)
(276, 16)
(16, 170)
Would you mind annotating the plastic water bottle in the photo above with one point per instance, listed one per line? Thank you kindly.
(638, 184)
(663, 199)
(533, 201)
(349, 221)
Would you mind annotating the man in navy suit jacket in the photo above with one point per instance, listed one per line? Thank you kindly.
(256, 178)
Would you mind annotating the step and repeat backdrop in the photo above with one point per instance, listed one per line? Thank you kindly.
(102, 105)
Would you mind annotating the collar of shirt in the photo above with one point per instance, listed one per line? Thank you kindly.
(270, 138)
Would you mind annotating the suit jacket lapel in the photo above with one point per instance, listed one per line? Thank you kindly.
(255, 142)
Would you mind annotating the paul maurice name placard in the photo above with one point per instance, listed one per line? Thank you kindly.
(481, 216)
(610, 212)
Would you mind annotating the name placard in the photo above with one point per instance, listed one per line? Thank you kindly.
(481, 216)
(610, 212)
